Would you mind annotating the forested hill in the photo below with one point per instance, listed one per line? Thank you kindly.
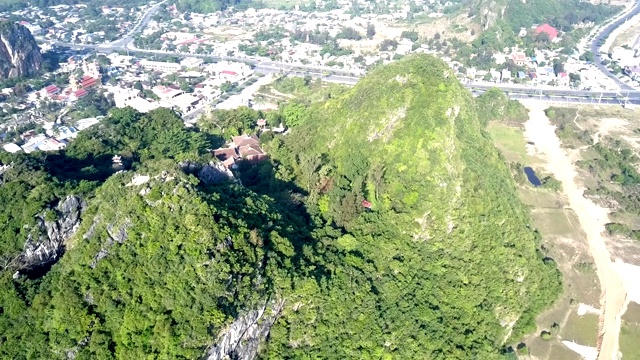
(384, 226)
(444, 263)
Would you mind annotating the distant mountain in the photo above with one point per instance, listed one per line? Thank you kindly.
(19, 53)
(562, 14)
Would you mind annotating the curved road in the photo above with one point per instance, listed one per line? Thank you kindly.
(602, 37)
(144, 20)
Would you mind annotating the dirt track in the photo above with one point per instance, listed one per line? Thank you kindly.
(592, 220)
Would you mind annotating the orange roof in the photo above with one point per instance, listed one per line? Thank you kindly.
(548, 29)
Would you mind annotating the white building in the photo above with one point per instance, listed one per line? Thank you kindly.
(160, 66)
(184, 102)
(12, 148)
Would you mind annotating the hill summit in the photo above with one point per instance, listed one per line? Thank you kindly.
(432, 229)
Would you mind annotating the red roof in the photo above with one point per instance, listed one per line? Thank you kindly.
(229, 72)
(88, 82)
(548, 29)
(52, 89)
(80, 93)
(366, 204)
(519, 57)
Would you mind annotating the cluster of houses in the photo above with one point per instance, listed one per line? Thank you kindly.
(224, 33)
(56, 137)
(132, 71)
(70, 23)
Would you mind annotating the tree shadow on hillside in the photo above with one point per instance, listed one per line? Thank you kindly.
(294, 223)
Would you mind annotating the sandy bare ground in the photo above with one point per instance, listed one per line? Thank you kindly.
(592, 219)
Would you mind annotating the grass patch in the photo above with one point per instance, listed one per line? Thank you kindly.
(553, 221)
(306, 90)
(581, 329)
(633, 313)
(510, 141)
(630, 333)
(559, 351)
(629, 344)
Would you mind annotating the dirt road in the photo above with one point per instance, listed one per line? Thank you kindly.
(592, 218)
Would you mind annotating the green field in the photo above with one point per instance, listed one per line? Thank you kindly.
(630, 333)
(582, 330)
(510, 141)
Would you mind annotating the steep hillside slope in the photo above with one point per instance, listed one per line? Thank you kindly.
(444, 264)
(158, 268)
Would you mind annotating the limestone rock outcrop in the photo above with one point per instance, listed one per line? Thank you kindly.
(19, 53)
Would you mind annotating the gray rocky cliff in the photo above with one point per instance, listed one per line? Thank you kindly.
(242, 339)
(49, 244)
(19, 52)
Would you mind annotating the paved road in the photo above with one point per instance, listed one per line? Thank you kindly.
(144, 20)
(601, 37)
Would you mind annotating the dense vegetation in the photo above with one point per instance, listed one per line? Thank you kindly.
(438, 262)
(407, 140)
(561, 14)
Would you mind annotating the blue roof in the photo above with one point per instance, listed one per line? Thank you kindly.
(521, 74)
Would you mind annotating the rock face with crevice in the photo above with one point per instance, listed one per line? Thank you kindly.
(242, 339)
(19, 53)
(47, 247)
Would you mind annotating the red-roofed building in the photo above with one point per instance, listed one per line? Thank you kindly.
(547, 29)
(88, 82)
(80, 93)
(51, 90)
(229, 72)
(519, 58)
